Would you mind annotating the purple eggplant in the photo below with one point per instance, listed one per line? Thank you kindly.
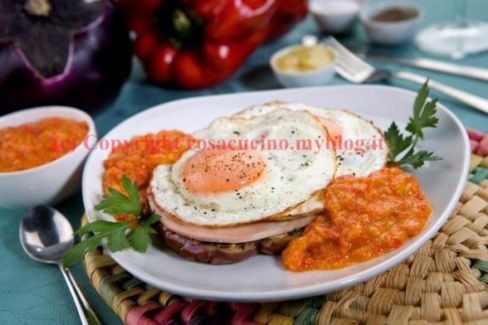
(66, 52)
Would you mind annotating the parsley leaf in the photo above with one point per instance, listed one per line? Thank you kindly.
(403, 147)
(141, 237)
(398, 143)
(117, 236)
(76, 252)
(423, 113)
(99, 225)
(118, 202)
(418, 158)
(116, 240)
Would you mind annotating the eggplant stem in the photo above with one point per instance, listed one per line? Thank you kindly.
(41, 8)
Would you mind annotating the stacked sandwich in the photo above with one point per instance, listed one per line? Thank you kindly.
(259, 179)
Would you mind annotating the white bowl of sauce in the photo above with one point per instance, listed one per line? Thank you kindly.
(43, 151)
(390, 23)
(303, 66)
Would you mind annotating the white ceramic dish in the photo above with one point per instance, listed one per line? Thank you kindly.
(334, 16)
(317, 77)
(389, 33)
(54, 181)
(262, 278)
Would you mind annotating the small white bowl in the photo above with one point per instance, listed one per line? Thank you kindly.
(390, 33)
(52, 182)
(317, 77)
(334, 16)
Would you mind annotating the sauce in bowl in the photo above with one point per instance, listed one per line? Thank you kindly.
(394, 14)
(34, 144)
(304, 59)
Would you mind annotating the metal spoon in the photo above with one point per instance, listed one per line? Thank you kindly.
(45, 235)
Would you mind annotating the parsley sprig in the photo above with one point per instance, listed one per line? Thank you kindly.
(117, 236)
(403, 147)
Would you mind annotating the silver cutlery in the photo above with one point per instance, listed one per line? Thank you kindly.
(354, 69)
(434, 65)
(45, 235)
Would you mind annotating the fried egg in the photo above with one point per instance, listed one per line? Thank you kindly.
(217, 186)
(360, 145)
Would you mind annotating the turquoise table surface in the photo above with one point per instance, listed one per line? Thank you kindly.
(32, 293)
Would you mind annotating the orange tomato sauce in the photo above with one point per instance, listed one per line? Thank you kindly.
(365, 218)
(34, 144)
(137, 159)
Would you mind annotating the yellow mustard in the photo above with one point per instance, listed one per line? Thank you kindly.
(304, 58)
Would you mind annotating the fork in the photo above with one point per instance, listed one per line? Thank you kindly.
(356, 70)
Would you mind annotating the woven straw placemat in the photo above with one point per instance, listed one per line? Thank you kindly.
(445, 282)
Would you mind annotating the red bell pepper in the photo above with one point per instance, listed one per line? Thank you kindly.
(288, 13)
(198, 43)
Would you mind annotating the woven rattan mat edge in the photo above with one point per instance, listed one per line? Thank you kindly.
(445, 282)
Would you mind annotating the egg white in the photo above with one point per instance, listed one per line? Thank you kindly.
(362, 133)
(290, 179)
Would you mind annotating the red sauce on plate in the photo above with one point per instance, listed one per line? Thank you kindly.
(366, 217)
(137, 159)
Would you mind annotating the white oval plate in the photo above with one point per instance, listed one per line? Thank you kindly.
(263, 278)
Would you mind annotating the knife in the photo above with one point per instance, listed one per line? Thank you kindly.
(429, 64)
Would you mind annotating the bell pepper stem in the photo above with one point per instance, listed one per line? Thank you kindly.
(41, 8)
(181, 23)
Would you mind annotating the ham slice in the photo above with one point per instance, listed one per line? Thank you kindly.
(233, 235)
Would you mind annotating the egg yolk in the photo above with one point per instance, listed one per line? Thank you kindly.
(216, 171)
(334, 131)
